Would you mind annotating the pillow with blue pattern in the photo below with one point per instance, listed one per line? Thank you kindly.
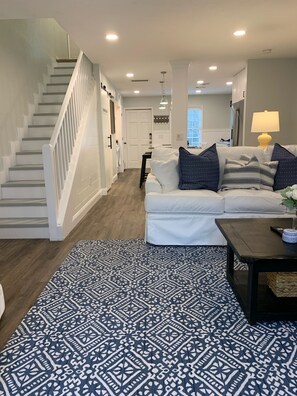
(286, 174)
(198, 172)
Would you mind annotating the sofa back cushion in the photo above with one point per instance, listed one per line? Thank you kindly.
(199, 171)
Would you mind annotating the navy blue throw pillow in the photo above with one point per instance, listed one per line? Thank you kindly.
(286, 174)
(197, 172)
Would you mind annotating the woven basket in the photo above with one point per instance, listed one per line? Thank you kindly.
(283, 284)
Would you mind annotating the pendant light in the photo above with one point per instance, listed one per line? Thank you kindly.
(164, 101)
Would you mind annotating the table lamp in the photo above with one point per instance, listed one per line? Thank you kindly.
(265, 121)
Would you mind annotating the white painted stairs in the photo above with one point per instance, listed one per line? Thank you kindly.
(23, 209)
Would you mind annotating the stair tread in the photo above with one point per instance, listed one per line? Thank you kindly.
(45, 114)
(57, 84)
(53, 93)
(28, 152)
(36, 138)
(26, 167)
(41, 126)
(50, 104)
(61, 75)
(24, 183)
(24, 222)
(64, 67)
(66, 60)
(23, 202)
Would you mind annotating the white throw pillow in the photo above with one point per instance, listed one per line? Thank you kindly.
(167, 173)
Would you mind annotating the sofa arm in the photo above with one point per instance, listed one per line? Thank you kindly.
(152, 184)
(2, 302)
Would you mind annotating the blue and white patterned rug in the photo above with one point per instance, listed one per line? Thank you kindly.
(127, 318)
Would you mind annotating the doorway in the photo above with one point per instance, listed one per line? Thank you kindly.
(138, 135)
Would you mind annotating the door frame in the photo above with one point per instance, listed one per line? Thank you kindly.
(125, 128)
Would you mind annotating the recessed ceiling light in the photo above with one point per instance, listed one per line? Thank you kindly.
(200, 82)
(229, 83)
(136, 92)
(213, 67)
(130, 75)
(239, 33)
(198, 91)
(111, 37)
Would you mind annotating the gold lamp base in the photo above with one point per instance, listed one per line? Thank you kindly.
(264, 139)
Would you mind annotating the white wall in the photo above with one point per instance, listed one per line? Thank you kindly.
(216, 114)
(272, 85)
(27, 47)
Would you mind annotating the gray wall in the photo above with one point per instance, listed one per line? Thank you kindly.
(27, 47)
(216, 108)
(272, 85)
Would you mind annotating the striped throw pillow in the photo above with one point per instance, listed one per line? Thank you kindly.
(241, 174)
(267, 173)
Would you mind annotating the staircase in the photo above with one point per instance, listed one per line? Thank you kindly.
(23, 207)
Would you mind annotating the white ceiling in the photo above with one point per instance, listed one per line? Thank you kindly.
(154, 32)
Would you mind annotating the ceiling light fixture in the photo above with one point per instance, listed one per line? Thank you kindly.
(111, 37)
(137, 92)
(239, 33)
(130, 75)
(164, 101)
(198, 91)
(213, 67)
(200, 82)
(229, 83)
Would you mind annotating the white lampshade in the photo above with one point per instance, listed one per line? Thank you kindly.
(265, 121)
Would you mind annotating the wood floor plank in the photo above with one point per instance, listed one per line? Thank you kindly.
(27, 265)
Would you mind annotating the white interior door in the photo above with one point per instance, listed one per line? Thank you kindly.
(138, 135)
(107, 139)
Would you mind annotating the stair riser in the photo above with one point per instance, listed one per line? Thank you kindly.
(45, 132)
(44, 120)
(49, 109)
(63, 70)
(34, 174)
(23, 211)
(56, 88)
(24, 233)
(33, 144)
(66, 64)
(23, 192)
(23, 159)
(52, 98)
(60, 79)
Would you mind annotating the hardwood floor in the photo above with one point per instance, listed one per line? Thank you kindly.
(26, 265)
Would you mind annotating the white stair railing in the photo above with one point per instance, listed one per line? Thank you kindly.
(57, 154)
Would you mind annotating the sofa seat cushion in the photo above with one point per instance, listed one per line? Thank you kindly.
(252, 201)
(189, 201)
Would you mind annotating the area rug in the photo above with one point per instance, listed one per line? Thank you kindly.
(128, 318)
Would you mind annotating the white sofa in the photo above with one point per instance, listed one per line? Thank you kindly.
(187, 217)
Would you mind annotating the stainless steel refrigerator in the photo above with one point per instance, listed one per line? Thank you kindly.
(237, 123)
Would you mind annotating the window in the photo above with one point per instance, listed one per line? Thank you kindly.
(194, 127)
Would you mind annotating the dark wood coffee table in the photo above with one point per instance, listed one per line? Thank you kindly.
(253, 242)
